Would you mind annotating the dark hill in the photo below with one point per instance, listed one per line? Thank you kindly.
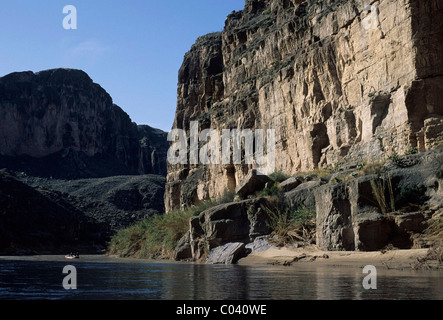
(34, 221)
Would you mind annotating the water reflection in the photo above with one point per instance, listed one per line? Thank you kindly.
(119, 281)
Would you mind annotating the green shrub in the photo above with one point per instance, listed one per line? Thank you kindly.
(372, 168)
(200, 207)
(410, 196)
(274, 190)
(156, 236)
(303, 216)
(153, 237)
(412, 150)
(278, 176)
(320, 173)
(360, 166)
(397, 160)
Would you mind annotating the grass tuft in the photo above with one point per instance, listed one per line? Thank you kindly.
(384, 193)
(290, 225)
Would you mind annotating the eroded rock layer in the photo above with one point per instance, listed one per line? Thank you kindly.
(341, 82)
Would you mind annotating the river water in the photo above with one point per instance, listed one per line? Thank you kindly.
(101, 278)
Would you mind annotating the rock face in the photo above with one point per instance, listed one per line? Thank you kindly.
(338, 81)
(117, 201)
(59, 123)
(303, 194)
(237, 222)
(349, 216)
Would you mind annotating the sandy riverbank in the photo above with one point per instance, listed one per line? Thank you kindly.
(287, 256)
(392, 259)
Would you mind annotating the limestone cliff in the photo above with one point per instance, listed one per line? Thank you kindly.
(59, 123)
(341, 82)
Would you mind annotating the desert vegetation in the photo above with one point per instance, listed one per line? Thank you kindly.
(290, 225)
(155, 237)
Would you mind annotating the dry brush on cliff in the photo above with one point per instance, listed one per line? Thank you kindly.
(290, 225)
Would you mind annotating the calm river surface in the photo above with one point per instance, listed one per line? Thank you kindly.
(102, 278)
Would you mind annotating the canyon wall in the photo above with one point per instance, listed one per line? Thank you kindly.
(341, 83)
(59, 123)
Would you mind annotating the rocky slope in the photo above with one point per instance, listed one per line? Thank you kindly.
(58, 123)
(39, 215)
(57, 216)
(340, 82)
(116, 202)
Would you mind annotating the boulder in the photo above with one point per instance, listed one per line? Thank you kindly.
(252, 183)
(348, 218)
(183, 250)
(291, 184)
(260, 244)
(229, 253)
(334, 222)
(303, 194)
(231, 222)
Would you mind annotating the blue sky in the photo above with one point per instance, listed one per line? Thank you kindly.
(133, 49)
